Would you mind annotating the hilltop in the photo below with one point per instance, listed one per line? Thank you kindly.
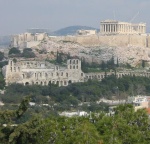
(71, 30)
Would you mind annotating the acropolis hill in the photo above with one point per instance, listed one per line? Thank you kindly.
(126, 41)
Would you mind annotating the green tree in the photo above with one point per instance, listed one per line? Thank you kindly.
(143, 63)
(2, 81)
(14, 51)
(126, 126)
(28, 53)
(1, 55)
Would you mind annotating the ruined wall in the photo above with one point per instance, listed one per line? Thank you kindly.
(111, 40)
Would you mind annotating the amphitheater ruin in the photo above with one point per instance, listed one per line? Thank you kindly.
(43, 73)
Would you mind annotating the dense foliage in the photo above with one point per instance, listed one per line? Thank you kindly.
(27, 53)
(89, 91)
(2, 81)
(125, 127)
(66, 98)
(3, 63)
(14, 51)
(1, 55)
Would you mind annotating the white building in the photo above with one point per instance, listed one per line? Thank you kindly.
(86, 32)
(71, 114)
(140, 102)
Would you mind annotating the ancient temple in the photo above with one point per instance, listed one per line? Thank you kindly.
(110, 27)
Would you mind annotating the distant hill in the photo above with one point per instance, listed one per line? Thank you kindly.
(71, 30)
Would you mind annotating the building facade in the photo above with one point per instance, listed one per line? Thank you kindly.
(112, 27)
(42, 72)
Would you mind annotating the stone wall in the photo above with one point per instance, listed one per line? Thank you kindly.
(110, 40)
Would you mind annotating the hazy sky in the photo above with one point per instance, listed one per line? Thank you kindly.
(18, 15)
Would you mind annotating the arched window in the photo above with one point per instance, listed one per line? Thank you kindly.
(61, 73)
(73, 61)
(70, 61)
(23, 76)
(27, 83)
(11, 63)
(65, 83)
(77, 61)
(61, 83)
(46, 75)
(69, 82)
(77, 67)
(70, 67)
(73, 67)
(66, 74)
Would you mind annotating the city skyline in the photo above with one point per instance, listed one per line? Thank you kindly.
(17, 16)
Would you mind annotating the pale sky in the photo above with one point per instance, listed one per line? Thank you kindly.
(18, 15)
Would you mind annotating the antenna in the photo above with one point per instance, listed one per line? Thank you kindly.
(135, 16)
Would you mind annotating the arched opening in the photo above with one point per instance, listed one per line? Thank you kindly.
(77, 61)
(70, 67)
(61, 83)
(66, 74)
(27, 83)
(41, 83)
(45, 74)
(65, 83)
(57, 83)
(73, 67)
(23, 76)
(73, 61)
(69, 82)
(77, 67)
(11, 63)
(36, 83)
(44, 83)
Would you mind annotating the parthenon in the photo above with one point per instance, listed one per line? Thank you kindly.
(110, 27)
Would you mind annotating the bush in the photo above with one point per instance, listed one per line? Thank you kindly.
(14, 51)
(1, 56)
(27, 53)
